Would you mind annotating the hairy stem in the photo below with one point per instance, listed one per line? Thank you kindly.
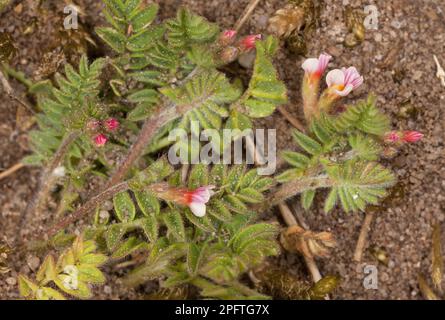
(89, 206)
(294, 187)
(47, 179)
(292, 120)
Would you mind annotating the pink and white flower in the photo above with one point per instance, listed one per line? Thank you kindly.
(197, 199)
(100, 140)
(248, 43)
(342, 82)
(314, 67)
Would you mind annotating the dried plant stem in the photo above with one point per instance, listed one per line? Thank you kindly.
(89, 206)
(246, 14)
(292, 120)
(358, 253)
(47, 179)
(290, 220)
(11, 170)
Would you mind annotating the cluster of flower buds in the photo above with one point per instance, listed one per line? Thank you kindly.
(395, 139)
(96, 126)
(401, 137)
(231, 50)
(340, 83)
(196, 199)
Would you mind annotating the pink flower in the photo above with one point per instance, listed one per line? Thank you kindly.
(111, 124)
(314, 67)
(342, 82)
(411, 136)
(248, 43)
(227, 36)
(196, 200)
(100, 140)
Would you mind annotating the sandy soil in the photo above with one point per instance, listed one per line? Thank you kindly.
(397, 63)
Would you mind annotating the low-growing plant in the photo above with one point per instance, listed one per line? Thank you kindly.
(199, 225)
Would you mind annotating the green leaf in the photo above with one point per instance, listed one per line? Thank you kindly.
(308, 144)
(358, 184)
(114, 235)
(150, 227)
(307, 198)
(113, 38)
(265, 90)
(188, 28)
(143, 18)
(198, 176)
(90, 274)
(148, 203)
(175, 224)
(129, 246)
(194, 256)
(146, 95)
(124, 207)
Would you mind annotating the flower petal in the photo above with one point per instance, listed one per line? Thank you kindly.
(347, 90)
(198, 209)
(335, 77)
(310, 65)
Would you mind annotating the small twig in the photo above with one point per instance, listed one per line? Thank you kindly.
(11, 170)
(246, 14)
(440, 71)
(292, 120)
(362, 237)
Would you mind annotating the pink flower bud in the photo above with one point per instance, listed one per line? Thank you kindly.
(248, 43)
(227, 37)
(111, 124)
(100, 140)
(392, 137)
(229, 54)
(411, 136)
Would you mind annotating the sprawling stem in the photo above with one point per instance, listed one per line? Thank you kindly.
(47, 178)
(294, 187)
(89, 206)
